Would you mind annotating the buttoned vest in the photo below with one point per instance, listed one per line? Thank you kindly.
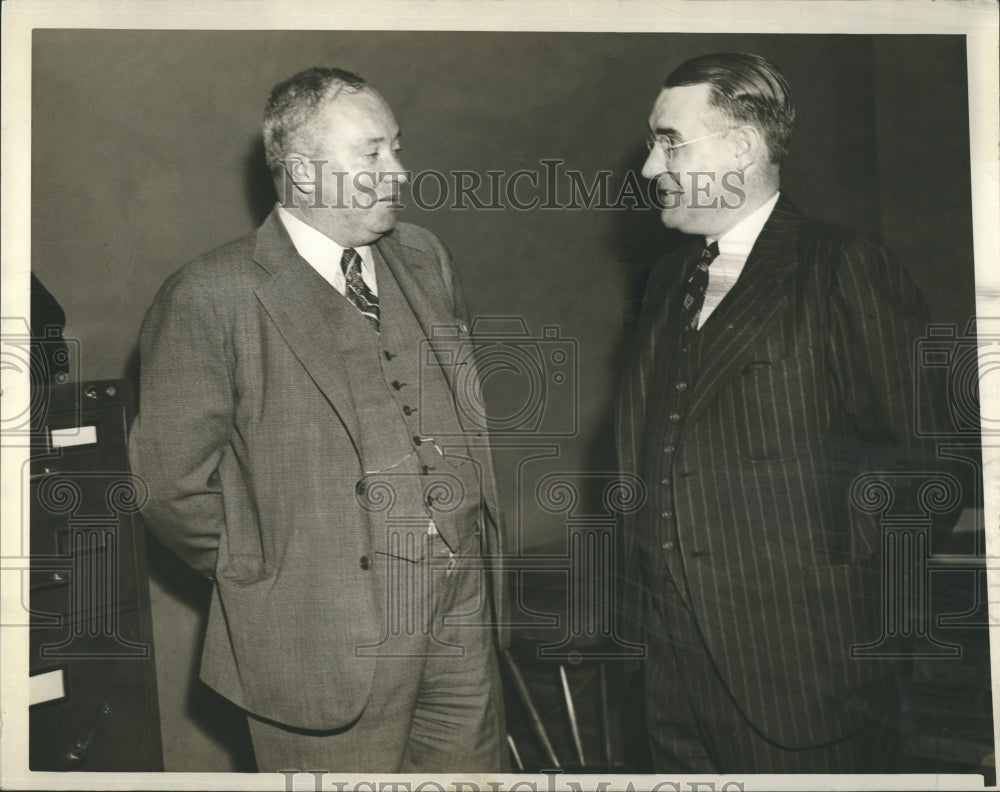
(415, 457)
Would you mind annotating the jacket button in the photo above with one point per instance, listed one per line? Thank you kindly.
(366, 562)
(681, 386)
(360, 487)
(417, 440)
(397, 384)
(675, 417)
(407, 410)
(667, 515)
(668, 449)
(668, 545)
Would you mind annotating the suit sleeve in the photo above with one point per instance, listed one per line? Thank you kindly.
(877, 319)
(185, 420)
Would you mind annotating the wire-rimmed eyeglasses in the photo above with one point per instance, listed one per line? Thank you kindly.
(668, 146)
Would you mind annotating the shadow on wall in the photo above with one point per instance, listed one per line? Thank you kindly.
(214, 719)
(260, 196)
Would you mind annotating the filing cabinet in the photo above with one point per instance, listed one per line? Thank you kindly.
(92, 666)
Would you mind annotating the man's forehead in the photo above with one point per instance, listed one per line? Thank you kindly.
(679, 107)
(363, 112)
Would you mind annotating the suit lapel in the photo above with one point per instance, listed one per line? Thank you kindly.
(309, 314)
(757, 300)
(421, 285)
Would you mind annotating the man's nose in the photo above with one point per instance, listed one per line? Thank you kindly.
(654, 164)
(397, 173)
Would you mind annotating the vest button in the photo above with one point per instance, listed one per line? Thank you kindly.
(668, 545)
(388, 354)
(681, 386)
(425, 469)
(365, 562)
(675, 417)
(668, 449)
(665, 482)
(667, 515)
(397, 384)
(360, 488)
(407, 410)
(417, 440)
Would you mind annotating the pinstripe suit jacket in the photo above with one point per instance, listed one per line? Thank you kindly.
(805, 381)
(249, 441)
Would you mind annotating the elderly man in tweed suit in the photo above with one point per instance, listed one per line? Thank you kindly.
(302, 453)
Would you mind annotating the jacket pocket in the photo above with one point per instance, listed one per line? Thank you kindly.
(779, 409)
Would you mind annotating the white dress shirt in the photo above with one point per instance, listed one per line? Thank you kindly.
(734, 248)
(323, 254)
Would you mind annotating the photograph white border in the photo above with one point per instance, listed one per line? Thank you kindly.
(976, 20)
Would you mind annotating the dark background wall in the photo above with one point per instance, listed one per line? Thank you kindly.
(145, 153)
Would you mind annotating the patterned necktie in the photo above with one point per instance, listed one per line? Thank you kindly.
(356, 290)
(697, 284)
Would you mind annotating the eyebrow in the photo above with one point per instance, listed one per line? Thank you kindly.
(666, 131)
(382, 139)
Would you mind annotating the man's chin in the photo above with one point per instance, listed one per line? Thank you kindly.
(673, 218)
(383, 224)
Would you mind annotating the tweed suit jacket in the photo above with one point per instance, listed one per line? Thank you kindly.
(248, 439)
(805, 380)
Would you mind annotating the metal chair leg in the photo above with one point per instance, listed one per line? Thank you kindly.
(536, 721)
(515, 754)
(574, 726)
(605, 715)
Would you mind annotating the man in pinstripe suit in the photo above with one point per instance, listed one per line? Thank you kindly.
(772, 366)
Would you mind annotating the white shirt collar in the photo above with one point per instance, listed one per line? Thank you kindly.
(740, 239)
(313, 244)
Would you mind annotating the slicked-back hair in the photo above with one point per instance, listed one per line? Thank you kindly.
(296, 101)
(745, 89)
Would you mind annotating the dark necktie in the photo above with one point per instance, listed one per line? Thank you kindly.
(356, 290)
(697, 283)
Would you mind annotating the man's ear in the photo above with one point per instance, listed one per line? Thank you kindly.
(301, 172)
(750, 146)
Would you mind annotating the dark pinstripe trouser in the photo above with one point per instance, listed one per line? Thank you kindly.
(694, 725)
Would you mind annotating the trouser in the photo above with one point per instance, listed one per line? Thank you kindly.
(435, 704)
(695, 726)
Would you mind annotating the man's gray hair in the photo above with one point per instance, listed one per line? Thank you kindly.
(296, 101)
